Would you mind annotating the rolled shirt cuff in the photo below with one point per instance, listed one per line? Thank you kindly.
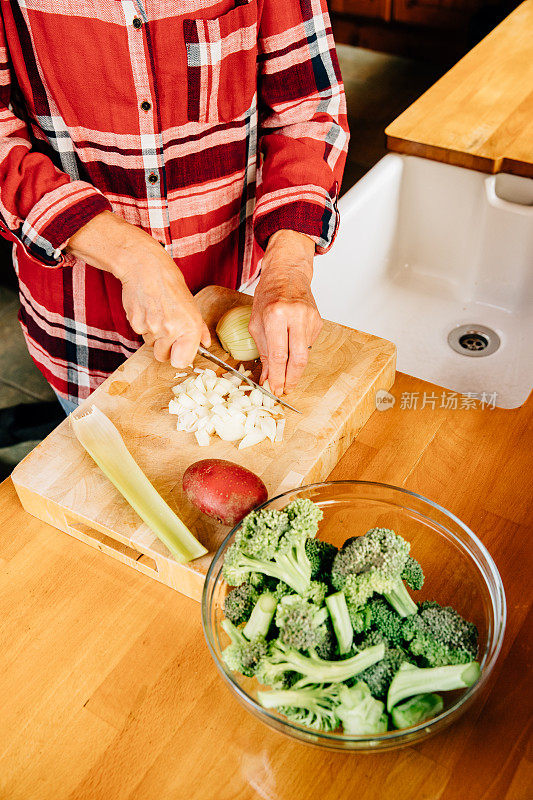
(56, 217)
(306, 209)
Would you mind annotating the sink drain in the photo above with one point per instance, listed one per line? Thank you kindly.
(474, 340)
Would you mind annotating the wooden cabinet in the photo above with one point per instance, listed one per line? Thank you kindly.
(436, 30)
(373, 9)
(435, 13)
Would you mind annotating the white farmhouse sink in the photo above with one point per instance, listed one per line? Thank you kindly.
(424, 248)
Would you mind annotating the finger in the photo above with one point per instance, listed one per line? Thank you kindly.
(276, 335)
(162, 348)
(315, 328)
(264, 369)
(257, 332)
(184, 350)
(138, 323)
(205, 337)
(298, 353)
(149, 338)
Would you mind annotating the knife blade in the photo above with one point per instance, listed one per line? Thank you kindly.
(218, 361)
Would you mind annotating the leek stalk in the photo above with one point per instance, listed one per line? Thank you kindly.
(105, 445)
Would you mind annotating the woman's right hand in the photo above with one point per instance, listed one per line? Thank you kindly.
(156, 299)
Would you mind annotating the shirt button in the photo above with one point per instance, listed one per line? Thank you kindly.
(145, 105)
(153, 178)
(137, 22)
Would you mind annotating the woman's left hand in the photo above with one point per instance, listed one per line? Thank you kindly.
(285, 321)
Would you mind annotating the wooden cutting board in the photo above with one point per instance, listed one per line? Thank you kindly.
(60, 484)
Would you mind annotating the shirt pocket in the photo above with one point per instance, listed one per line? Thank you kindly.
(221, 64)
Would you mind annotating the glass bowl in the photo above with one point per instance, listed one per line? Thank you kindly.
(459, 572)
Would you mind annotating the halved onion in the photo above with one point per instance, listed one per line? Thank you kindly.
(232, 330)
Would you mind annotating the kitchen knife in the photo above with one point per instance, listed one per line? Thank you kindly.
(218, 361)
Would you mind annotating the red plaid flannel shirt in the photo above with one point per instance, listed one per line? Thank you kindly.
(208, 123)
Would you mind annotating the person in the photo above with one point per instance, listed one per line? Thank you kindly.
(150, 149)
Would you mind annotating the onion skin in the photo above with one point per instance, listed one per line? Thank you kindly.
(223, 490)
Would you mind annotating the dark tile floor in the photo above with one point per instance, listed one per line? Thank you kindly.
(378, 88)
(20, 380)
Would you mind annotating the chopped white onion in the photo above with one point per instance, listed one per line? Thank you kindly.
(254, 437)
(174, 406)
(280, 427)
(228, 430)
(256, 397)
(198, 396)
(202, 438)
(205, 404)
(268, 427)
(223, 386)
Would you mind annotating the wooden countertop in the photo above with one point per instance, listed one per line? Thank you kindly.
(108, 692)
(480, 114)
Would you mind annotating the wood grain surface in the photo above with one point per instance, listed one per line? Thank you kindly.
(59, 483)
(480, 114)
(108, 692)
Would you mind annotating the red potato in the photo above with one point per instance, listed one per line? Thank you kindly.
(223, 490)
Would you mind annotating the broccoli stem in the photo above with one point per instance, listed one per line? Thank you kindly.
(261, 616)
(297, 573)
(287, 698)
(401, 600)
(282, 569)
(411, 680)
(233, 632)
(340, 617)
(416, 710)
(318, 670)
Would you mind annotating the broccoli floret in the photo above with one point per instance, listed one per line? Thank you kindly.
(413, 574)
(316, 593)
(411, 680)
(323, 707)
(312, 706)
(417, 709)
(301, 624)
(439, 636)
(326, 648)
(360, 617)
(273, 543)
(282, 589)
(359, 712)
(340, 619)
(385, 620)
(239, 603)
(321, 555)
(243, 655)
(374, 563)
(378, 676)
(262, 582)
(304, 515)
(260, 532)
(281, 659)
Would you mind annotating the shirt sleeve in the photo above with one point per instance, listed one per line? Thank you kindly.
(40, 206)
(302, 123)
